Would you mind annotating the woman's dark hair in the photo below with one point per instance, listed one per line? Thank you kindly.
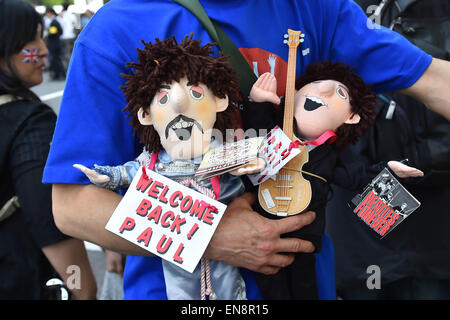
(19, 22)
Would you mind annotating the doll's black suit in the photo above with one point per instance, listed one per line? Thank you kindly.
(298, 280)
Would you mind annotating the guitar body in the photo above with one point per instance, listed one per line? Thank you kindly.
(287, 193)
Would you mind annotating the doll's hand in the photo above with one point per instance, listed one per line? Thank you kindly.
(255, 166)
(265, 89)
(404, 171)
(94, 176)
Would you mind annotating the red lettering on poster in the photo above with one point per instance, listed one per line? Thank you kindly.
(127, 225)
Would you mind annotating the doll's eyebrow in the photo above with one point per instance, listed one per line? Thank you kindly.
(164, 86)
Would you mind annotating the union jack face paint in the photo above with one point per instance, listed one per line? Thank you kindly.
(30, 55)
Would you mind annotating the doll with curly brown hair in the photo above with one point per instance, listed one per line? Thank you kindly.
(181, 99)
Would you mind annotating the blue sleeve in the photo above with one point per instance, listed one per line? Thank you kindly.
(383, 58)
(91, 128)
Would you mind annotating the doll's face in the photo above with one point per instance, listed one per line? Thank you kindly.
(321, 106)
(184, 114)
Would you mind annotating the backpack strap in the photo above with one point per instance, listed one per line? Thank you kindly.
(7, 98)
(403, 5)
(400, 6)
(9, 208)
(246, 77)
(12, 204)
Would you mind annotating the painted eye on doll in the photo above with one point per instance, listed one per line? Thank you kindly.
(163, 98)
(341, 92)
(196, 93)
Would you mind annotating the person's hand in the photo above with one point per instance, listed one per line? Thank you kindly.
(246, 239)
(93, 176)
(265, 89)
(404, 171)
(114, 262)
(255, 166)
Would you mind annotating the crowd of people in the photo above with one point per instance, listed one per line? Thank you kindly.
(48, 208)
(60, 32)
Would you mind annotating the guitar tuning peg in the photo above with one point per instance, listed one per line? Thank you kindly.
(302, 35)
(285, 41)
(302, 40)
(286, 35)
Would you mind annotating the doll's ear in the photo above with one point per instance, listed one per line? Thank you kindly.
(221, 104)
(144, 117)
(353, 119)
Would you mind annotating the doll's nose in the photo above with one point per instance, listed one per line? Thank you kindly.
(326, 87)
(180, 97)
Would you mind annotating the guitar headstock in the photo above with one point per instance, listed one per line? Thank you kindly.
(294, 38)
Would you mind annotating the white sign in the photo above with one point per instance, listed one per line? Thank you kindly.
(276, 149)
(166, 218)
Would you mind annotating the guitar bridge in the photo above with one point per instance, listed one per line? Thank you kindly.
(283, 198)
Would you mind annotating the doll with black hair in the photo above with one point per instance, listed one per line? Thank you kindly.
(329, 96)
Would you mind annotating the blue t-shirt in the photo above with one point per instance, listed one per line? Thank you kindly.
(91, 127)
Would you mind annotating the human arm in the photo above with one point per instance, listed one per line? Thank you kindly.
(82, 211)
(72, 252)
(386, 59)
(243, 237)
(432, 88)
(246, 239)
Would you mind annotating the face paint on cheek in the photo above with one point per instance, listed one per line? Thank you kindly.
(30, 55)
(204, 109)
(158, 115)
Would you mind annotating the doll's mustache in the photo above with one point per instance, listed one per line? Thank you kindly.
(182, 122)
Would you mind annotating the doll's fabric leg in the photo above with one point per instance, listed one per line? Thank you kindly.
(227, 282)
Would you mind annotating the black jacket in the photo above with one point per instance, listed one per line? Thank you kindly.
(26, 129)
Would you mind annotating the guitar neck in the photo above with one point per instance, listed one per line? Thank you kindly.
(288, 120)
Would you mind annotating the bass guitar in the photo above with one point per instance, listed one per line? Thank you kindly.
(288, 192)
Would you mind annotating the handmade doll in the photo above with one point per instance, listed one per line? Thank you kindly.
(180, 99)
(329, 96)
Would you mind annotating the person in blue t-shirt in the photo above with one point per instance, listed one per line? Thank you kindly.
(91, 126)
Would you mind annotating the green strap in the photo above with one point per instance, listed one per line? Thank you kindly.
(246, 77)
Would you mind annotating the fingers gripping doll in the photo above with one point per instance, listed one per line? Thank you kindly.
(180, 98)
(329, 97)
